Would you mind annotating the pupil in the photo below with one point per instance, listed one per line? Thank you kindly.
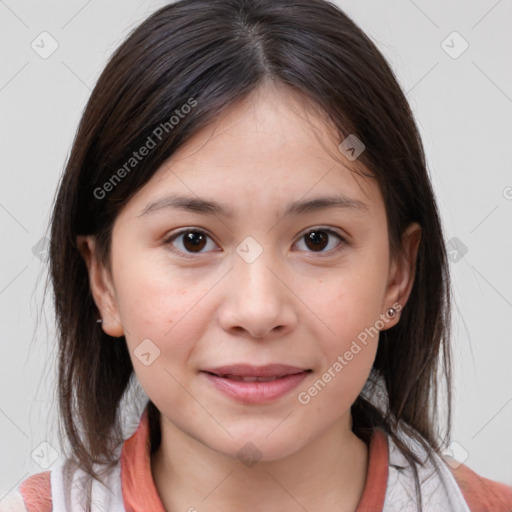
(194, 240)
(314, 239)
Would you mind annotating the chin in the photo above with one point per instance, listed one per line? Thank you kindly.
(251, 445)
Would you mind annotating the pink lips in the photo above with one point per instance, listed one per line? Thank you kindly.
(255, 384)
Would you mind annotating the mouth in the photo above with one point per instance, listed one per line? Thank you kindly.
(255, 384)
(239, 378)
(250, 373)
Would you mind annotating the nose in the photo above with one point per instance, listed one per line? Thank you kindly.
(257, 301)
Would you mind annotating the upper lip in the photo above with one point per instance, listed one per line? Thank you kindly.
(247, 370)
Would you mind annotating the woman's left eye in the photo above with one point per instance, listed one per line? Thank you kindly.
(321, 240)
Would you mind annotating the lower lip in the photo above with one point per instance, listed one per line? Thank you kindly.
(257, 392)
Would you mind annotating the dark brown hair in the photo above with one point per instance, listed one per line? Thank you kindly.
(217, 52)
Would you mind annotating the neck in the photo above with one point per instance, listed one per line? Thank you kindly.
(329, 473)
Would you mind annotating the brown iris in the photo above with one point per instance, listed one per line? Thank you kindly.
(316, 240)
(194, 241)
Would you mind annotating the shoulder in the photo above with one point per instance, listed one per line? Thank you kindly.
(33, 495)
(481, 494)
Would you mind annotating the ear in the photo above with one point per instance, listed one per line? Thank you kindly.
(102, 288)
(402, 272)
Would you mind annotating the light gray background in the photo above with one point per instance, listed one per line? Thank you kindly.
(464, 109)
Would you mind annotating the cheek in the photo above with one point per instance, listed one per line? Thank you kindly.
(348, 305)
(351, 300)
(152, 296)
(346, 354)
(163, 306)
(162, 324)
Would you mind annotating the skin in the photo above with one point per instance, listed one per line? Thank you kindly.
(292, 305)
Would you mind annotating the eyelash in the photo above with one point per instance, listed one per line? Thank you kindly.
(339, 247)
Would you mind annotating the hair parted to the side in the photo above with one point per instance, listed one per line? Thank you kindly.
(215, 52)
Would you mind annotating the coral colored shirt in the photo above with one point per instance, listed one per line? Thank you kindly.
(140, 494)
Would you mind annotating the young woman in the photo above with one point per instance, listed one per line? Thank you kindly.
(247, 227)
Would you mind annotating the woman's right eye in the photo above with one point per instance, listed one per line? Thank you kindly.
(190, 241)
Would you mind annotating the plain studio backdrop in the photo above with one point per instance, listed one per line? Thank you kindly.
(451, 60)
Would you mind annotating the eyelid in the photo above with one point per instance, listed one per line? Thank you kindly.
(328, 229)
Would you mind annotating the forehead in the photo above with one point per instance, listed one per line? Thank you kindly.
(271, 148)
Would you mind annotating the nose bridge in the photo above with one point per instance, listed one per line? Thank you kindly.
(257, 301)
(255, 280)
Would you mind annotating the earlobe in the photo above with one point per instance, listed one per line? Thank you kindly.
(403, 271)
(101, 286)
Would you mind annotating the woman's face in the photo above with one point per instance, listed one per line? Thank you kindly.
(252, 247)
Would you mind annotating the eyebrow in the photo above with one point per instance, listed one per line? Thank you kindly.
(209, 207)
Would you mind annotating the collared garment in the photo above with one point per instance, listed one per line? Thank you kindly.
(389, 484)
